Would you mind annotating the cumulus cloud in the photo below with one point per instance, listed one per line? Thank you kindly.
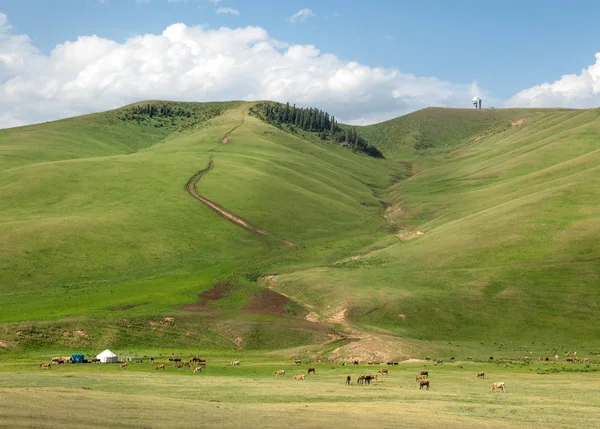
(572, 90)
(301, 16)
(197, 64)
(228, 10)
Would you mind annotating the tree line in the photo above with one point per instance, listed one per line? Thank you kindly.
(316, 121)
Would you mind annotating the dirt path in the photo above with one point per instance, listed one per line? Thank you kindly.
(191, 188)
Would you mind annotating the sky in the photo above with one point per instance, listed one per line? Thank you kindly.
(363, 61)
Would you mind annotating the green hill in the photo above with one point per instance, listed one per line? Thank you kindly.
(471, 230)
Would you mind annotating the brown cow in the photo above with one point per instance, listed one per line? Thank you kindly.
(348, 380)
(383, 371)
(424, 383)
(300, 377)
(46, 365)
(439, 362)
(197, 369)
(421, 377)
(161, 366)
(498, 386)
(311, 370)
(360, 379)
(280, 372)
(178, 365)
(425, 373)
(297, 361)
(123, 365)
(481, 375)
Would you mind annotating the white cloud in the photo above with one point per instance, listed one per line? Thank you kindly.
(582, 90)
(301, 16)
(197, 64)
(228, 10)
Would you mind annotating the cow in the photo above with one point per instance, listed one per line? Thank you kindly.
(370, 378)
(280, 372)
(428, 358)
(360, 379)
(498, 386)
(46, 365)
(355, 362)
(178, 365)
(452, 359)
(469, 358)
(235, 362)
(383, 371)
(297, 361)
(311, 370)
(161, 366)
(202, 362)
(424, 383)
(151, 360)
(197, 369)
(481, 375)
(425, 373)
(300, 377)
(491, 357)
(348, 380)
(123, 365)
(439, 362)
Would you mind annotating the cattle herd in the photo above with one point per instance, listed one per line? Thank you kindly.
(196, 365)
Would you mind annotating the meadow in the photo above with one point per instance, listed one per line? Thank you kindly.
(539, 394)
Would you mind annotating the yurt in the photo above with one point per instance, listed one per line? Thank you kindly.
(107, 357)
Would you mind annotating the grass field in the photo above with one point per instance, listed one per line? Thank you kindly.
(538, 394)
(478, 231)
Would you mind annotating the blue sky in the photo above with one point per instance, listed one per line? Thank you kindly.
(506, 47)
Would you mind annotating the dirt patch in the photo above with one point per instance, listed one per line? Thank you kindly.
(414, 361)
(476, 139)
(407, 234)
(267, 301)
(312, 317)
(3, 344)
(339, 318)
(217, 293)
(225, 140)
(518, 122)
(402, 316)
(126, 307)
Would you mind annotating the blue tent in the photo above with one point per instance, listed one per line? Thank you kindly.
(77, 358)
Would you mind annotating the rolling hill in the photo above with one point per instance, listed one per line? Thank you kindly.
(479, 228)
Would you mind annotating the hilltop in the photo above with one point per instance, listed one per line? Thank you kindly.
(477, 228)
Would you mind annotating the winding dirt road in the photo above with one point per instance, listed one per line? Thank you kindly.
(191, 188)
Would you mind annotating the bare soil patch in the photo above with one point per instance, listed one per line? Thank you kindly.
(267, 301)
(217, 293)
(4, 344)
(225, 140)
(518, 122)
(312, 317)
(78, 333)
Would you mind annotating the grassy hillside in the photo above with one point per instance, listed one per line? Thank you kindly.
(479, 228)
(497, 234)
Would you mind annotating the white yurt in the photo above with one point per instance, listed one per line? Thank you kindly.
(107, 357)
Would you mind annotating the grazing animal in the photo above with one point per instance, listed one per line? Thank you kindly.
(300, 377)
(280, 372)
(161, 366)
(439, 362)
(428, 358)
(46, 365)
(235, 362)
(481, 375)
(123, 365)
(151, 360)
(202, 362)
(360, 379)
(197, 369)
(395, 363)
(348, 380)
(469, 358)
(498, 386)
(178, 365)
(425, 373)
(421, 377)
(355, 362)
(452, 359)
(311, 370)
(373, 377)
(297, 361)
(424, 383)
(383, 371)
(491, 357)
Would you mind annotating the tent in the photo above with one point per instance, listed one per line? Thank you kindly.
(107, 357)
(77, 358)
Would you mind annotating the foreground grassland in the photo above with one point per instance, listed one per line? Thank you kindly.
(250, 396)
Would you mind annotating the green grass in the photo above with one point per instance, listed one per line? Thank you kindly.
(249, 395)
(94, 216)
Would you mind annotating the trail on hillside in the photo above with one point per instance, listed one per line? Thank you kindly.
(191, 188)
